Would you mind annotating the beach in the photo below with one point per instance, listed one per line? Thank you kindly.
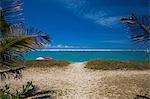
(74, 49)
(77, 82)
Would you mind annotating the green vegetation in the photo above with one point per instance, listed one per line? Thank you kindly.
(15, 38)
(5, 92)
(28, 90)
(43, 64)
(115, 64)
(138, 26)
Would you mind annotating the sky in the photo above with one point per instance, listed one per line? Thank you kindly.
(84, 23)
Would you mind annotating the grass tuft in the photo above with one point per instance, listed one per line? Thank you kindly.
(46, 63)
(116, 64)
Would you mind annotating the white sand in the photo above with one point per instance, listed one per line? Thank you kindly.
(77, 82)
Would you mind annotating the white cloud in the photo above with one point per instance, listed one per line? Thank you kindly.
(116, 41)
(74, 4)
(96, 16)
(60, 46)
(102, 18)
(108, 21)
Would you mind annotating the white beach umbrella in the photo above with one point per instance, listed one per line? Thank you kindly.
(39, 58)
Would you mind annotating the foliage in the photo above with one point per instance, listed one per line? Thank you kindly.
(15, 40)
(5, 92)
(13, 47)
(28, 90)
(15, 37)
(45, 64)
(139, 27)
(27, 87)
(10, 14)
(115, 64)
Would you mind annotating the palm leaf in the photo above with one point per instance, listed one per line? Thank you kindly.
(10, 14)
(13, 47)
(138, 26)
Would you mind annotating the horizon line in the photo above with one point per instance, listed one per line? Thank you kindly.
(79, 49)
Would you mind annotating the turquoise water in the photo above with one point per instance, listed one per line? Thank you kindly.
(80, 56)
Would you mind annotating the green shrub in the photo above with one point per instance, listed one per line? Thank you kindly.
(115, 64)
(5, 92)
(44, 63)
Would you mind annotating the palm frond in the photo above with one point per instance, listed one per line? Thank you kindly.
(138, 26)
(14, 46)
(10, 14)
(12, 11)
(15, 38)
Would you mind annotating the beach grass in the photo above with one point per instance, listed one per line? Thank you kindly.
(98, 64)
(44, 64)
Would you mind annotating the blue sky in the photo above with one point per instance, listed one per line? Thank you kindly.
(84, 23)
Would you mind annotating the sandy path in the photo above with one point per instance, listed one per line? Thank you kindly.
(77, 82)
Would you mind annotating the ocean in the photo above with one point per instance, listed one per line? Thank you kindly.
(85, 55)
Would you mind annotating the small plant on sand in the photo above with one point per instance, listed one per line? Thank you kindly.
(27, 91)
(5, 92)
